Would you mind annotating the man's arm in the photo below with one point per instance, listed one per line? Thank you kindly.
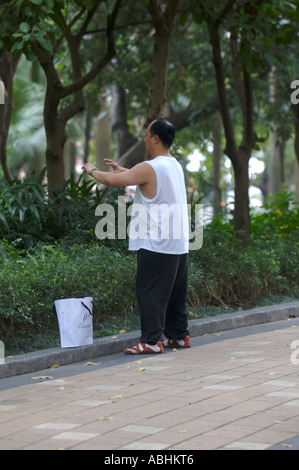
(141, 173)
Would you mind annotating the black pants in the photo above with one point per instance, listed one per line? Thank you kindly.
(161, 290)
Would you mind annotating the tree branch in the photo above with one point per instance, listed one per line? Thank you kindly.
(67, 28)
(236, 72)
(249, 134)
(230, 149)
(89, 16)
(46, 62)
(224, 13)
(82, 81)
(154, 10)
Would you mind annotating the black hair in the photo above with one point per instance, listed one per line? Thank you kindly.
(164, 130)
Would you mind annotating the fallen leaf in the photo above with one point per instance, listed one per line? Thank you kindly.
(41, 377)
(139, 362)
(116, 396)
(106, 418)
(272, 373)
(114, 337)
(140, 369)
(54, 366)
(286, 445)
(182, 431)
(88, 363)
(60, 388)
(122, 331)
(218, 334)
(232, 358)
(175, 350)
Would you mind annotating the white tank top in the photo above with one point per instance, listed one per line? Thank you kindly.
(161, 224)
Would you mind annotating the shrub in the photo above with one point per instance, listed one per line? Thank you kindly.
(29, 215)
(219, 275)
(279, 215)
(29, 284)
(25, 211)
(222, 273)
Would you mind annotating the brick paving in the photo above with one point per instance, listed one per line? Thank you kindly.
(231, 390)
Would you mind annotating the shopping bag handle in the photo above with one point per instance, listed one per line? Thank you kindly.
(86, 307)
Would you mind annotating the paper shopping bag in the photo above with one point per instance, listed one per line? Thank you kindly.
(75, 321)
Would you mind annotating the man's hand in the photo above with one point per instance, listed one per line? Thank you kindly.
(115, 166)
(87, 167)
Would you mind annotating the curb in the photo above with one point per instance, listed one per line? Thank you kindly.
(39, 360)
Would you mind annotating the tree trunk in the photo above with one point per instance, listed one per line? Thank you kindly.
(241, 209)
(87, 135)
(157, 100)
(8, 67)
(217, 154)
(123, 138)
(240, 155)
(274, 160)
(56, 138)
(69, 158)
(162, 18)
(56, 115)
(55, 164)
(103, 138)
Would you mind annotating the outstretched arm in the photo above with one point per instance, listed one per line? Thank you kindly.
(141, 173)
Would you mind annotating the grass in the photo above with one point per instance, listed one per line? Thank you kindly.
(114, 325)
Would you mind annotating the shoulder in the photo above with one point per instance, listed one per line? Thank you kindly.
(143, 168)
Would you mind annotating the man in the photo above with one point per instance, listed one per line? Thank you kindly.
(163, 242)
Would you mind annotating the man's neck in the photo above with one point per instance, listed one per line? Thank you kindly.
(162, 153)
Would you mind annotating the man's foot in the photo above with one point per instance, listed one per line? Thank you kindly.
(145, 348)
(177, 343)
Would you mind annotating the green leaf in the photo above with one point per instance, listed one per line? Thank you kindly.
(34, 211)
(17, 46)
(44, 43)
(24, 27)
(3, 219)
(50, 4)
(270, 58)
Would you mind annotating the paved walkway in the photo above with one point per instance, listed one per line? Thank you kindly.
(236, 389)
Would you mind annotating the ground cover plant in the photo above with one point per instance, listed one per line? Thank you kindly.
(222, 275)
